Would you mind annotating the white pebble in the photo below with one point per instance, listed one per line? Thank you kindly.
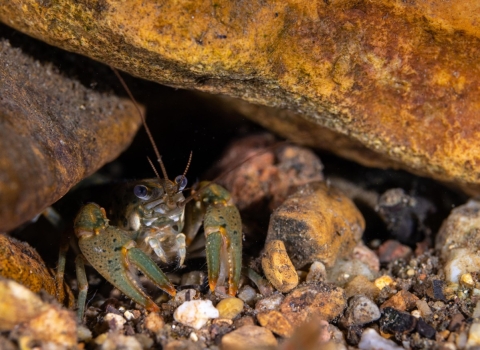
(195, 313)
(115, 322)
(128, 315)
(371, 340)
(193, 337)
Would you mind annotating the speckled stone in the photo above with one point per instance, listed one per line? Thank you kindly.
(278, 267)
(361, 310)
(276, 322)
(318, 299)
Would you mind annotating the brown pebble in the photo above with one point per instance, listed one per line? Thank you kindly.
(361, 285)
(244, 321)
(311, 335)
(154, 322)
(317, 223)
(249, 337)
(276, 322)
(402, 301)
(392, 250)
(278, 267)
(313, 299)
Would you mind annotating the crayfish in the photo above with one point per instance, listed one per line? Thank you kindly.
(157, 221)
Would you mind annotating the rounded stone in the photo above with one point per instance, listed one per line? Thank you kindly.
(361, 310)
(249, 337)
(229, 308)
(278, 267)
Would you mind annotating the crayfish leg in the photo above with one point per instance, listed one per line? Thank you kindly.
(223, 232)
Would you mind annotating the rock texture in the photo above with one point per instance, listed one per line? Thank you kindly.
(54, 131)
(399, 77)
(317, 223)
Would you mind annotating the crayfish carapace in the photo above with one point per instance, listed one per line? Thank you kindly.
(155, 218)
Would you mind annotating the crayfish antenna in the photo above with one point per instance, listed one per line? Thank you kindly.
(147, 129)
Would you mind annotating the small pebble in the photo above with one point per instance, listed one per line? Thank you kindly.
(154, 322)
(457, 240)
(115, 340)
(394, 321)
(83, 333)
(247, 294)
(278, 267)
(195, 313)
(403, 301)
(271, 302)
(474, 335)
(476, 311)
(193, 337)
(361, 285)
(115, 322)
(244, 321)
(229, 308)
(361, 310)
(467, 280)
(383, 281)
(276, 322)
(392, 250)
(367, 256)
(321, 299)
(424, 329)
(128, 315)
(416, 314)
(249, 337)
(317, 272)
(145, 341)
(346, 270)
(371, 340)
(423, 307)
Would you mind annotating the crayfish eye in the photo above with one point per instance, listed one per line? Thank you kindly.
(142, 192)
(181, 182)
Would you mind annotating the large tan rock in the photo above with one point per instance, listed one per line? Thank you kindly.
(316, 223)
(401, 78)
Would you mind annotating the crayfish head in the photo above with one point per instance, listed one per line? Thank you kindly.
(90, 220)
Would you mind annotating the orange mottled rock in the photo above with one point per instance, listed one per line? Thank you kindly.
(400, 78)
(317, 223)
(317, 299)
(21, 263)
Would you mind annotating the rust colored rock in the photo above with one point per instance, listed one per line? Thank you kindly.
(403, 301)
(54, 132)
(276, 322)
(21, 263)
(321, 300)
(401, 78)
(317, 223)
(392, 250)
(278, 267)
(271, 173)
